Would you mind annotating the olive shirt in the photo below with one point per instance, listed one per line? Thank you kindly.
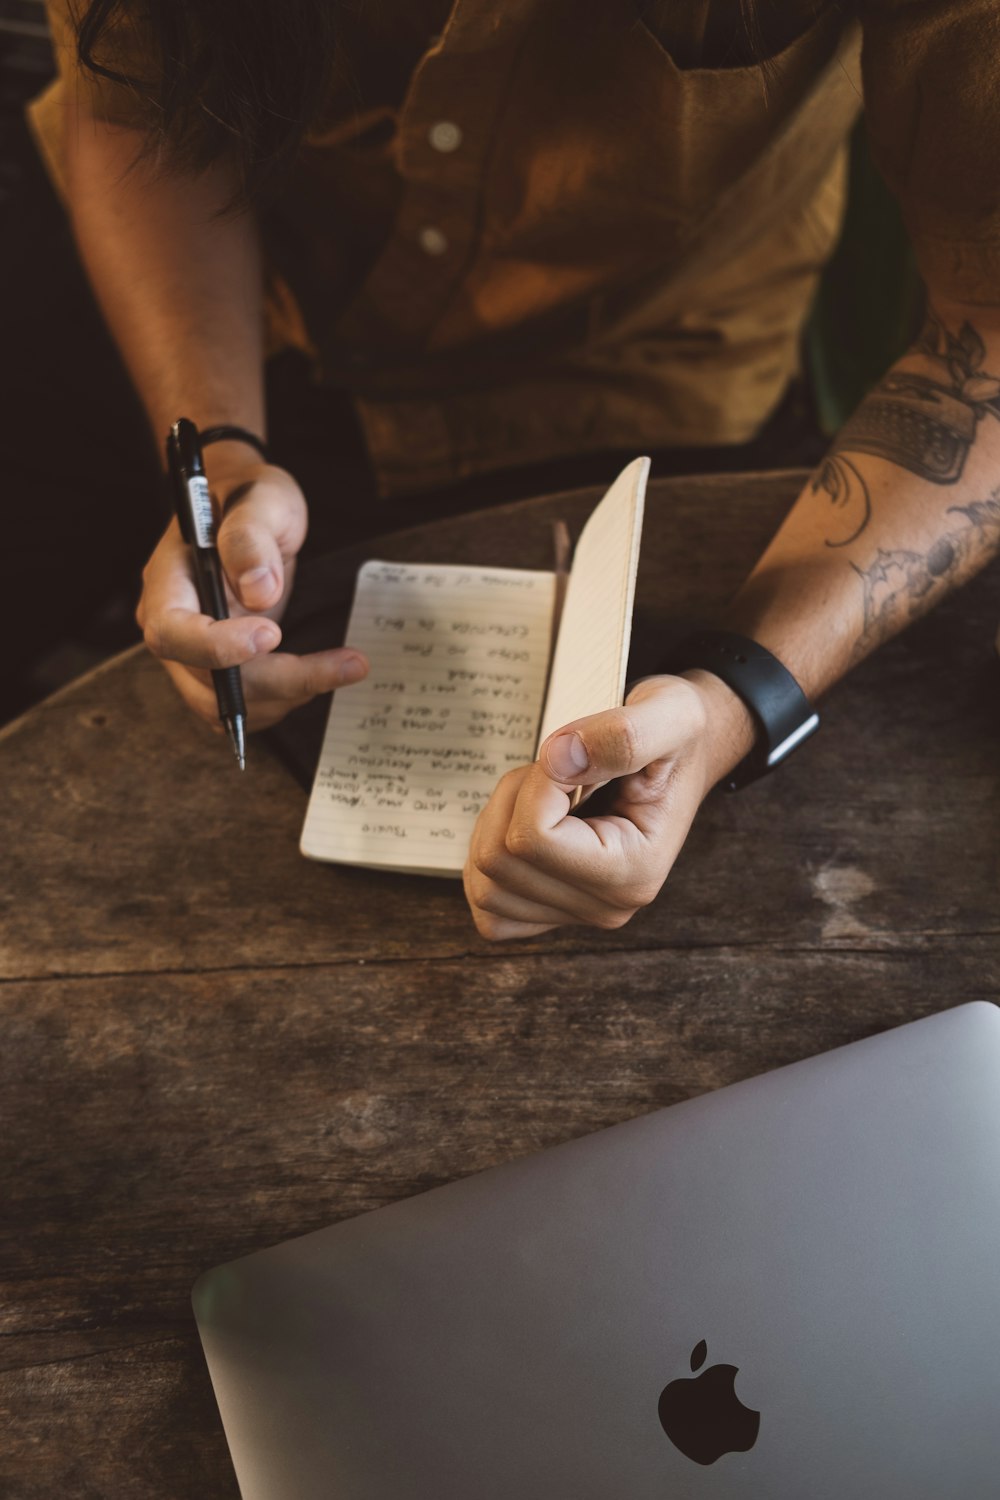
(532, 228)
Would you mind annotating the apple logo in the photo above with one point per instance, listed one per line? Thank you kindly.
(705, 1418)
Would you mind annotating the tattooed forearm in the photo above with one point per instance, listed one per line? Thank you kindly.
(926, 420)
(900, 584)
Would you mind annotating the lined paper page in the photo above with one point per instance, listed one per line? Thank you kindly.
(453, 699)
(591, 657)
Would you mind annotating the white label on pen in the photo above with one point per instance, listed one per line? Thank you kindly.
(201, 511)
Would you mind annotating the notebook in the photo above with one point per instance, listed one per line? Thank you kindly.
(784, 1289)
(471, 668)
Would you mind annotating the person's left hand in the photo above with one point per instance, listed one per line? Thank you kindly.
(533, 865)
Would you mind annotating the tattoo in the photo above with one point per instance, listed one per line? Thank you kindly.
(848, 492)
(900, 584)
(927, 422)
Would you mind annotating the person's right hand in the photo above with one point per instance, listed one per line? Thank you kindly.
(262, 530)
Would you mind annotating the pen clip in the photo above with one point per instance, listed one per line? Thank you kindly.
(178, 482)
(195, 508)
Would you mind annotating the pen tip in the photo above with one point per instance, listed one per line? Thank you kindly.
(237, 735)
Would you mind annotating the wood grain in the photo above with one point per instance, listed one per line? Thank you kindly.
(211, 1044)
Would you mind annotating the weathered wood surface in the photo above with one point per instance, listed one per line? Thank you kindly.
(131, 844)
(210, 1044)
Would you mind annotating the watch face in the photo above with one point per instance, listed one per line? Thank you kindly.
(789, 743)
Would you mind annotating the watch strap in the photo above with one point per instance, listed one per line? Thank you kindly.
(782, 712)
(228, 433)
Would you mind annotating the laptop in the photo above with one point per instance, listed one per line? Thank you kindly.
(785, 1290)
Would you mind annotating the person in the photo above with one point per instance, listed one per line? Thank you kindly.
(514, 234)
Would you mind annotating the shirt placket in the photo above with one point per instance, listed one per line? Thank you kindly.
(445, 137)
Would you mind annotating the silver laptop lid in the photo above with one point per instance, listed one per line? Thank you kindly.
(802, 1270)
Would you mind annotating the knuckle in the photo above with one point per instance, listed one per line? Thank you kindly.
(614, 741)
(661, 777)
(487, 925)
(216, 655)
(489, 900)
(624, 741)
(152, 634)
(490, 860)
(311, 683)
(641, 895)
(523, 843)
(614, 918)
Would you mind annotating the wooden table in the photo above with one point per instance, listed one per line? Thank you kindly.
(211, 1044)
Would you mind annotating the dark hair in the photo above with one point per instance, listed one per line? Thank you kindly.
(237, 78)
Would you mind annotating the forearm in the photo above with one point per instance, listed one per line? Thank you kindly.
(905, 508)
(179, 283)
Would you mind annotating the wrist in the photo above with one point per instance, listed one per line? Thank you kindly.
(231, 467)
(231, 456)
(730, 729)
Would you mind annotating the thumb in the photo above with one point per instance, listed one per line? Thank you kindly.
(264, 525)
(661, 718)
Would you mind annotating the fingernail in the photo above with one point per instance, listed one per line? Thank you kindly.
(566, 755)
(353, 668)
(254, 578)
(265, 639)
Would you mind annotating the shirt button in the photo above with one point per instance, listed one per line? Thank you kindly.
(445, 136)
(432, 241)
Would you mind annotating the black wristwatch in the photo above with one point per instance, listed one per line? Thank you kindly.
(782, 712)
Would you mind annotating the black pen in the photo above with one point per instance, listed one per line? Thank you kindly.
(197, 522)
